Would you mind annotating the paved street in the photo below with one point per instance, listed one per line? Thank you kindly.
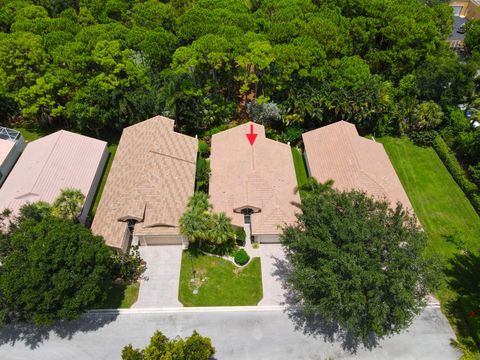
(264, 334)
(159, 286)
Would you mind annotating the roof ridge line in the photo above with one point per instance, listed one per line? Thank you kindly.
(352, 149)
(172, 157)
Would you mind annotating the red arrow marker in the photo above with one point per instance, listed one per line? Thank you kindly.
(251, 137)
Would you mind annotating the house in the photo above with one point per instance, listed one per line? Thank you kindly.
(11, 146)
(148, 187)
(253, 184)
(469, 9)
(339, 153)
(55, 162)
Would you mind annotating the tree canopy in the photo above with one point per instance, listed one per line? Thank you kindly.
(55, 269)
(94, 65)
(356, 261)
(194, 347)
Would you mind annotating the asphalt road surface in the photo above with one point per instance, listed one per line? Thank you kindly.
(236, 334)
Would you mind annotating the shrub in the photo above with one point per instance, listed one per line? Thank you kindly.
(202, 175)
(128, 267)
(240, 236)
(423, 138)
(457, 172)
(264, 112)
(241, 257)
(203, 148)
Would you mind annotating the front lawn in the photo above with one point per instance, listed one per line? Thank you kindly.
(451, 223)
(121, 296)
(219, 282)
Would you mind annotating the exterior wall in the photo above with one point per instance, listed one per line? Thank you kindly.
(306, 163)
(149, 240)
(93, 188)
(272, 239)
(11, 159)
(473, 11)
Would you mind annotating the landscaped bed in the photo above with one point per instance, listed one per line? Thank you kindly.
(451, 223)
(219, 282)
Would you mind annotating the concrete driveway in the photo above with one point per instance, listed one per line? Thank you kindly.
(159, 286)
(273, 273)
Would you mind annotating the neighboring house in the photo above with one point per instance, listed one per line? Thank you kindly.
(253, 184)
(11, 146)
(55, 162)
(148, 187)
(353, 162)
(466, 9)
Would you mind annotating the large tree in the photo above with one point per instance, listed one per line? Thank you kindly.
(54, 269)
(356, 261)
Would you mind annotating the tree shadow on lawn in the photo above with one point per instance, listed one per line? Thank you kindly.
(463, 276)
(313, 324)
(33, 335)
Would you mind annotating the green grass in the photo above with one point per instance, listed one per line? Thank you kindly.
(112, 149)
(223, 283)
(121, 296)
(30, 134)
(300, 168)
(446, 214)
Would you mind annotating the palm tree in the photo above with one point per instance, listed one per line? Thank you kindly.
(221, 229)
(312, 185)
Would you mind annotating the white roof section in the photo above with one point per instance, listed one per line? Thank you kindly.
(50, 164)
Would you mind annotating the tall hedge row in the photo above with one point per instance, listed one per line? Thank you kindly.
(457, 172)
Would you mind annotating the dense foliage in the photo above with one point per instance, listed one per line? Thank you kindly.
(213, 232)
(98, 64)
(357, 262)
(54, 268)
(194, 347)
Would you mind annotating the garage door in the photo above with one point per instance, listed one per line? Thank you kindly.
(457, 10)
(161, 240)
(268, 239)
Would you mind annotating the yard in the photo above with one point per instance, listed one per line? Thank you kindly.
(121, 296)
(300, 168)
(452, 226)
(219, 282)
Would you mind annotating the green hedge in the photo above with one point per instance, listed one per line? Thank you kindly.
(457, 172)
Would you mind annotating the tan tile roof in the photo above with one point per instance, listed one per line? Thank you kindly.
(261, 176)
(151, 179)
(48, 165)
(337, 152)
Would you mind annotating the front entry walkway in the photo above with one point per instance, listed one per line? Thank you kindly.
(159, 286)
(273, 273)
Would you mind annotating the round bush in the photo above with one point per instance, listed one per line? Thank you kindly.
(241, 257)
